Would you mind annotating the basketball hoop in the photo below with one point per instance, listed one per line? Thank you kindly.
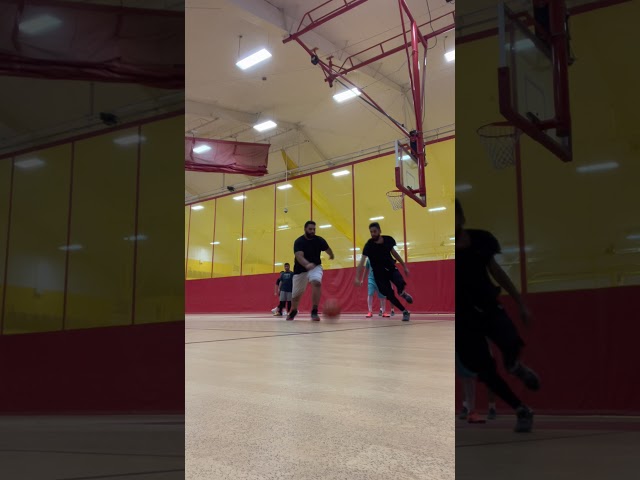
(499, 140)
(396, 199)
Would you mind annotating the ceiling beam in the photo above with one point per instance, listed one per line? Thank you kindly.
(207, 110)
(265, 12)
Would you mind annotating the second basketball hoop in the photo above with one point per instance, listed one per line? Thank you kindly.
(500, 140)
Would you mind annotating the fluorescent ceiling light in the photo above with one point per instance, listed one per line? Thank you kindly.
(240, 197)
(285, 186)
(201, 149)
(406, 157)
(253, 59)
(71, 248)
(450, 56)
(634, 236)
(437, 209)
(242, 239)
(341, 173)
(325, 226)
(197, 207)
(283, 227)
(465, 187)
(278, 264)
(136, 237)
(129, 140)
(268, 125)
(452, 238)
(214, 243)
(373, 219)
(597, 167)
(40, 24)
(346, 95)
(29, 163)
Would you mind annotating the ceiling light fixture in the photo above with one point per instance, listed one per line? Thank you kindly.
(268, 125)
(346, 95)
(253, 59)
(201, 149)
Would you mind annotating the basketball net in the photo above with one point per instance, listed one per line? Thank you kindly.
(396, 199)
(499, 140)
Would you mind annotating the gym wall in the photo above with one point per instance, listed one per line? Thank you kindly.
(247, 234)
(582, 230)
(75, 284)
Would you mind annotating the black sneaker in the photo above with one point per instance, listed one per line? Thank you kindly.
(492, 414)
(464, 413)
(314, 316)
(406, 316)
(292, 314)
(524, 422)
(407, 297)
(528, 377)
(380, 313)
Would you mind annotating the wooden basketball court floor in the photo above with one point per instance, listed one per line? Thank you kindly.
(560, 447)
(357, 399)
(92, 447)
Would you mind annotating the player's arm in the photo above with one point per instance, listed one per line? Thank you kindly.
(363, 259)
(399, 259)
(502, 279)
(327, 248)
(277, 289)
(303, 261)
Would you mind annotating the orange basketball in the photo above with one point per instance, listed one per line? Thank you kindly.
(331, 309)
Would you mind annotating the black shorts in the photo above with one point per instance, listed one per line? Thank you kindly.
(475, 326)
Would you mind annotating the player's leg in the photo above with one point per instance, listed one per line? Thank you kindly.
(383, 305)
(398, 280)
(371, 290)
(315, 278)
(300, 281)
(383, 281)
(474, 354)
(493, 413)
(281, 304)
(288, 301)
(504, 334)
(469, 386)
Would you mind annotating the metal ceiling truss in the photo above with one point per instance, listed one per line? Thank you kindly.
(411, 38)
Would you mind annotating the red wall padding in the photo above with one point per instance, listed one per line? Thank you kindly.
(430, 283)
(584, 346)
(133, 369)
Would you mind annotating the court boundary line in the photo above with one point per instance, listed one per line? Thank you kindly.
(74, 452)
(280, 331)
(293, 334)
(531, 440)
(118, 475)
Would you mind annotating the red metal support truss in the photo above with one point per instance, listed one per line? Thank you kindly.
(410, 41)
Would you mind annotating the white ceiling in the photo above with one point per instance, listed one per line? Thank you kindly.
(224, 102)
(35, 111)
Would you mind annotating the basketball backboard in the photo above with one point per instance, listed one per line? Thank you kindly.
(410, 177)
(533, 78)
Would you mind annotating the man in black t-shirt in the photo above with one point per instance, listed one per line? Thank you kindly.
(480, 316)
(307, 268)
(382, 257)
(284, 288)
